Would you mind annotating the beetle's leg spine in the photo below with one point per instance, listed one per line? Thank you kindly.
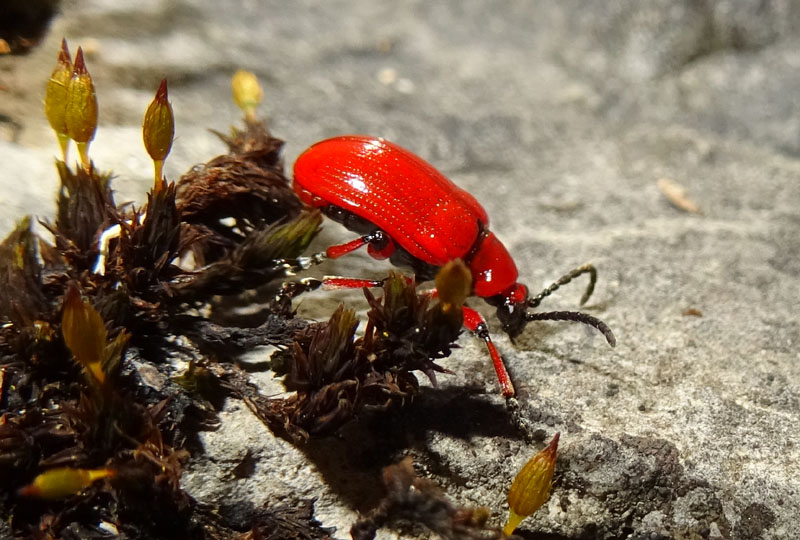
(575, 316)
(475, 323)
(566, 278)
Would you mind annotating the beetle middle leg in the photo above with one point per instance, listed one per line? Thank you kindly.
(291, 289)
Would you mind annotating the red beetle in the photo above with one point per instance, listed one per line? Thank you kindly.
(409, 212)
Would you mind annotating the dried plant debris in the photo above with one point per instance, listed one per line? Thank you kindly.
(258, 259)
(287, 521)
(85, 208)
(233, 195)
(336, 376)
(22, 299)
(24, 23)
(676, 194)
(95, 425)
(419, 501)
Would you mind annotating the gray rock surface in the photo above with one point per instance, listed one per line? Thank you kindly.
(559, 116)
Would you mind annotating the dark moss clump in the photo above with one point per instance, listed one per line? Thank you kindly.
(336, 376)
(419, 501)
(80, 316)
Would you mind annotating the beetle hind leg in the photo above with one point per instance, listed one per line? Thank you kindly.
(378, 243)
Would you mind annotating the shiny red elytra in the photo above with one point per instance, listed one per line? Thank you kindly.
(407, 211)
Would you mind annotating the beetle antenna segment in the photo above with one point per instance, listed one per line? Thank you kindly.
(575, 316)
(587, 268)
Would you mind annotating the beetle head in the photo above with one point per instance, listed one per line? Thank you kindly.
(512, 310)
(512, 307)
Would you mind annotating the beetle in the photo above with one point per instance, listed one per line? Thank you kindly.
(407, 211)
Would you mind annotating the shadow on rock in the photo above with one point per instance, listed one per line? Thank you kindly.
(351, 463)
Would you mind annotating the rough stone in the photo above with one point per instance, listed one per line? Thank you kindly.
(560, 116)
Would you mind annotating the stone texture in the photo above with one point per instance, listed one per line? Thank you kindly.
(560, 116)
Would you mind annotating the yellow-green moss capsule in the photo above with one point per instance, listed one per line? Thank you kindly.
(62, 482)
(55, 97)
(81, 111)
(453, 284)
(84, 333)
(158, 129)
(531, 487)
(247, 93)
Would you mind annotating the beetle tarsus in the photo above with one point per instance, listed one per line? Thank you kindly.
(524, 425)
(292, 266)
(290, 289)
(304, 263)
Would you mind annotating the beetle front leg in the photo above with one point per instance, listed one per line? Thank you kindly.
(475, 323)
